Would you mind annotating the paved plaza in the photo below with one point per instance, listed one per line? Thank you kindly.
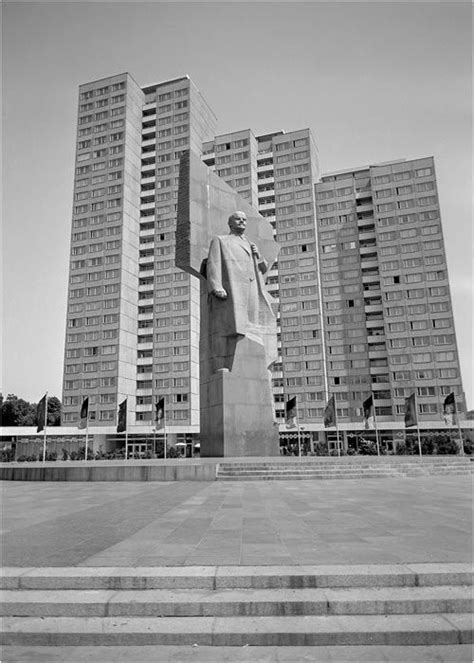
(376, 521)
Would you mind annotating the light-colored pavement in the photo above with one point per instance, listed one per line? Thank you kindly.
(376, 521)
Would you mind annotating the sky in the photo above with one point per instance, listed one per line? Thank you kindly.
(375, 81)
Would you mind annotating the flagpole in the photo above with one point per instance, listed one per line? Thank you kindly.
(337, 429)
(45, 425)
(87, 437)
(417, 425)
(126, 444)
(375, 425)
(455, 414)
(164, 429)
(298, 429)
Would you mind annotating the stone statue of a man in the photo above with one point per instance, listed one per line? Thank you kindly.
(238, 303)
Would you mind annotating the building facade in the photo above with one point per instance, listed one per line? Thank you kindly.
(386, 305)
(361, 278)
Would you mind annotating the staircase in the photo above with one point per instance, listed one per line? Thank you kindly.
(412, 604)
(346, 467)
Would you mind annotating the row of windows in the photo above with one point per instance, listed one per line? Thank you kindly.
(94, 234)
(113, 163)
(99, 92)
(95, 262)
(99, 154)
(425, 374)
(103, 126)
(95, 248)
(95, 305)
(105, 334)
(92, 367)
(401, 219)
(403, 175)
(108, 319)
(91, 351)
(114, 112)
(103, 399)
(422, 201)
(235, 144)
(404, 190)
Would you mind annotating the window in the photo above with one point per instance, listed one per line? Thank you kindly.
(405, 175)
(423, 172)
(445, 356)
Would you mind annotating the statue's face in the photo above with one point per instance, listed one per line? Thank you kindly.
(238, 223)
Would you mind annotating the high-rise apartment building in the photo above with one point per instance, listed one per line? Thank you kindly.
(386, 306)
(361, 277)
(132, 322)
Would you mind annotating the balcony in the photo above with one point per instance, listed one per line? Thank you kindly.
(145, 332)
(146, 346)
(374, 308)
(143, 407)
(149, 232)
(145, 302)
(367, 253)
(145, 316)
(147, 206)
(149, 178)
(266, 206)
(364, 208)
(266, 180)
(145, 392)
(144, 361)
(376, 338)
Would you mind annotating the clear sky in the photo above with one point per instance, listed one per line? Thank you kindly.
(374, 81)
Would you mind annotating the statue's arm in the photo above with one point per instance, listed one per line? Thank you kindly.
(263, 265)
(214, 269)
(261, 262)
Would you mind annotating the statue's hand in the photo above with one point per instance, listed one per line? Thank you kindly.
(254, 250)
(220, 293)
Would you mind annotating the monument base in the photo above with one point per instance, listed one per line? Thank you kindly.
(237, 407)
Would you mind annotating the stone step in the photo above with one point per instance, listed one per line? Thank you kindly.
(322, 477)
(337, 630)
(236, 577)
(352, 460)
(346, 466)
(244, 654)
(236, 602)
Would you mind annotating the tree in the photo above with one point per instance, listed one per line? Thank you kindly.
(54, 411)
(18, 412)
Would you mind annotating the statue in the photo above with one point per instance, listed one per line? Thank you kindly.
(238, 303)
(237, 326)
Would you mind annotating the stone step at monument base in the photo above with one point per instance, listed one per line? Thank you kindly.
(414, 604)
(239, 631)
(342, 469)
(236, 602)
(244, 654)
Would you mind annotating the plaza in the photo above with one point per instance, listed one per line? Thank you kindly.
(205, 530)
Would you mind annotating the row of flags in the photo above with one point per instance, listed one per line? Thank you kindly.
(368, 409)
(122, 414)
(291, 413)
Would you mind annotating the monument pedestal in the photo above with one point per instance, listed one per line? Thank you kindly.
(237, 407)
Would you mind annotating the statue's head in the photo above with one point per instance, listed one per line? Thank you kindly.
(237, 223)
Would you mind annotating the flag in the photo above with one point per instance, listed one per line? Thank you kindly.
(159, 412)
(410, 411)
(84, 413)
(122, 417)
(40, 412)
(449, 409)
(368, 409)
(290, 412)
(330, 413)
